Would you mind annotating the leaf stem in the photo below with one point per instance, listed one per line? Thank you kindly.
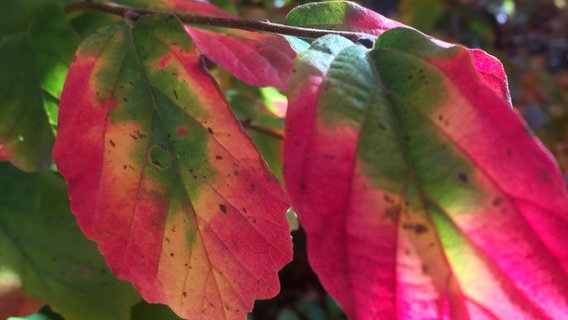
(267, 131)
(234, 23)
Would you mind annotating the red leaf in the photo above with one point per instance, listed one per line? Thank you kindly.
(422, 192)
(163, 178)
(256, 58)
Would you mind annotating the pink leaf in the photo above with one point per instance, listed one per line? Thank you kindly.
(256, 58)
(422, 192)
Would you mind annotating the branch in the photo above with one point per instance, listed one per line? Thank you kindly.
(234, 23)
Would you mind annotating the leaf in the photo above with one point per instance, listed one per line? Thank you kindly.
(45, 258)
(162, 176)
(36, 45)
(259, 59)
(349, 16)
(249, 105)
(147, 311)
(422, 193)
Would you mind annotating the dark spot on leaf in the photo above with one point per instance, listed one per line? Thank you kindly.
(112, 143)
(185, 294)
(176, 95)
(218, 157)
(416, 227)
(210, 130)
(463, 177)
(140, 134)
(244, 210)
(236, 173)
(171, 254)
(392, 213)
(497, 201)
(223, 208)
(388, 198)
(424, 268)
(382, 126)
(441, 118)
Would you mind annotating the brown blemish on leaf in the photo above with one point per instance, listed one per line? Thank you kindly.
(463, 177)
(223, 208)
(393, 213)
(416, 227)
(497, 201)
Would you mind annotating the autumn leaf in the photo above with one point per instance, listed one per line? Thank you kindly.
(44, 257)
(259, 59)
(162, 176)
(349, 16)
(422, 192)
(36, 45)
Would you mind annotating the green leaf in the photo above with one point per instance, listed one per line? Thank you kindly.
(151, 311)
(44, 255)
(36, 47)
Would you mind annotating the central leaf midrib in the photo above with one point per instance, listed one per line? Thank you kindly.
(175, 162)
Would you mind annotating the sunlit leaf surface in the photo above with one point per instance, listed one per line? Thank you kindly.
(422, 193)
(162, 176)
